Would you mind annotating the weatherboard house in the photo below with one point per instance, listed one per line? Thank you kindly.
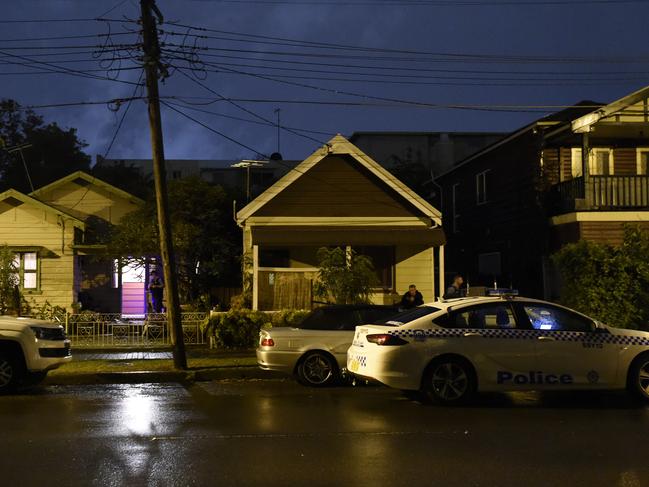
(339, 197)
(54, 233)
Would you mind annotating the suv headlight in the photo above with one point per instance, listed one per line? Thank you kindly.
(42, 333)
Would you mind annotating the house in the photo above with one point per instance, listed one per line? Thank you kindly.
(339, 196)
(580, 173)
(55, 232)
(436, 151)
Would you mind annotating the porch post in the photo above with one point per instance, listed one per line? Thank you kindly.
(432, 270)
(441, 271)
(255, 277)
(585, 149)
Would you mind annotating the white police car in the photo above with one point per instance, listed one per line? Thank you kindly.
(450, 349)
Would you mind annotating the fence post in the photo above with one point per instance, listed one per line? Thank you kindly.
(67, 320)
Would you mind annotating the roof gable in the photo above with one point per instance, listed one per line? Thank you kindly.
(15, 198)
(585, 122)
(341, 149)
(86, 179)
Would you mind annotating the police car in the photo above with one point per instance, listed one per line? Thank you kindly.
(451, 349)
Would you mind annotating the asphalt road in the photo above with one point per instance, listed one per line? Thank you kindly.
(277, 433)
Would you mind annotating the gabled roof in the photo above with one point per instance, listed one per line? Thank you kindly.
(339, 145)
(12, 193)
(583, 123)
(89, 179)
(560, 118)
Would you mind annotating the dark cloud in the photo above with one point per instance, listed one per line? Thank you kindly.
(595, 30)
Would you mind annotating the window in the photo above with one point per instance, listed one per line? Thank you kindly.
(383, 260)
(27, 265)
(486, 316)
(642, 161)
(481, 187)
(600, 162)
(545, 317)
(273, 257)
(575, 162)
(456, 216)
(345, 318)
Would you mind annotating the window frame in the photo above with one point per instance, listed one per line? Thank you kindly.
(524, 316)
(481, 177)
(444, 320)
(22, 271)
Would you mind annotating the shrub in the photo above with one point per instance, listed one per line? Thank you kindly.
(608, 283)
(236, 328)
(344, 277)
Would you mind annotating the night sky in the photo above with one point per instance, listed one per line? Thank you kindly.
(407, 61)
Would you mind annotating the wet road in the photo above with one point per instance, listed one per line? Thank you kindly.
(276, 433)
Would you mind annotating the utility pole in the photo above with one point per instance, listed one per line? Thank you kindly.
(277, 110)
(151, 67)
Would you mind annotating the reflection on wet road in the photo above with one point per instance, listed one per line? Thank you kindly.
(279, 433)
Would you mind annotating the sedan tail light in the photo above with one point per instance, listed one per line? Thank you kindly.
(385, 339)
(267, 342)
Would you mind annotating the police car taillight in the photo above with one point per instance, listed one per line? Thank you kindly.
(385, 339)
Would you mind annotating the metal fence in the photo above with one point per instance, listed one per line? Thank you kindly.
(114, 329)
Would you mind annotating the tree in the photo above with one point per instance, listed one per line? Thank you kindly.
(206, 239)
(344, 278)
(8, 280)
(608, 283)
(54, 152)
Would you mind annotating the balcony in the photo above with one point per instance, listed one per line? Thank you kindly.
(600, 193)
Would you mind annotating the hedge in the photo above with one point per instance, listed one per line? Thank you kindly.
(240, 328)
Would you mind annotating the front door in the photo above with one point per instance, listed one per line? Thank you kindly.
(133, 289)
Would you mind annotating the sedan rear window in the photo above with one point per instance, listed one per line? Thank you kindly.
(407, 316)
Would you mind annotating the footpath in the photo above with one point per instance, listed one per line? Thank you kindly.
(132, 366)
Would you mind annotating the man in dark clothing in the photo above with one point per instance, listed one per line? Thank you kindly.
(156, 288)
(412, 298)
(454, 291)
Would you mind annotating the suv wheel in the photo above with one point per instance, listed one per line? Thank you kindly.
(449, 381)
(317, 369)
(10, 372)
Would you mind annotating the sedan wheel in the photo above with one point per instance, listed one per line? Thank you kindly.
(449, 381)
(317, 369)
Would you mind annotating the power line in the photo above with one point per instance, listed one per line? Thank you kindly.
(250, 112)
(433, 3)
(337, 46)
(212, 129)
(247, 120)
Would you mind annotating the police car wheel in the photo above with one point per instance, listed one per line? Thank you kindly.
(317, 369)
(638, 383)
(449, 381)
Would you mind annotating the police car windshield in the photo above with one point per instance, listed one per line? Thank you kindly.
(407, 316)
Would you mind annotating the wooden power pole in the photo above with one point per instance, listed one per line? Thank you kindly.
(151, 66)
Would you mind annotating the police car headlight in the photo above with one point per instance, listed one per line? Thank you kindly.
(385, 339)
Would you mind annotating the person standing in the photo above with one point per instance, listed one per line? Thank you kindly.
(156, 288)
(412, 298)
(454, 290)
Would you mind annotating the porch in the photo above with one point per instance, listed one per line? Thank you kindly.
(600, 193)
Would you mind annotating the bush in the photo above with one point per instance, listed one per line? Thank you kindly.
(236, 328)
(608, 283)
(239, 328)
